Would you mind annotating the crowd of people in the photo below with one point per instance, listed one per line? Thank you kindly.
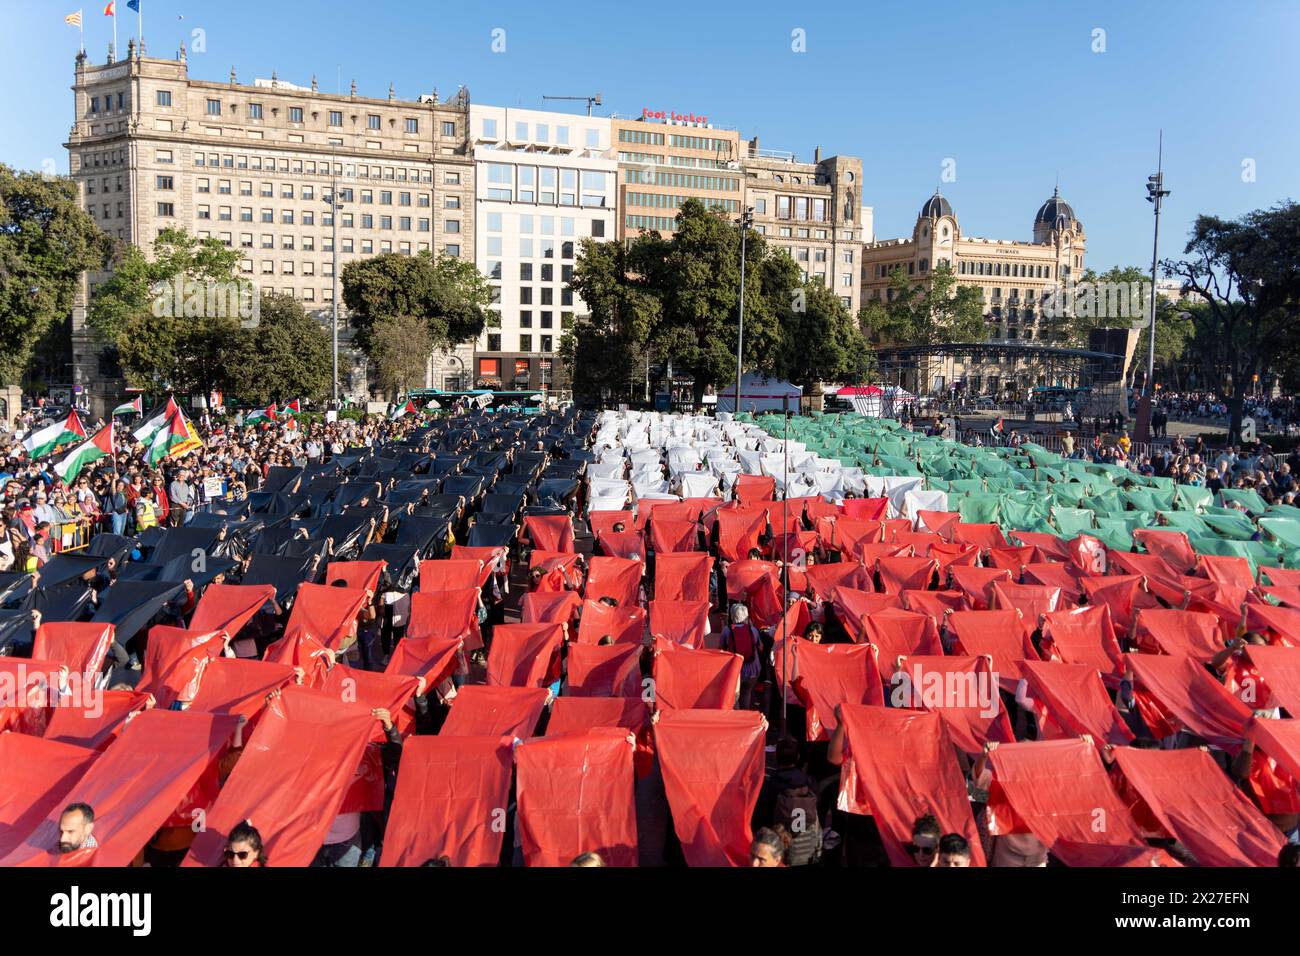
(546, 506)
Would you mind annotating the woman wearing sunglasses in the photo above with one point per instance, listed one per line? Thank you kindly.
(244, 847)
(924, 846)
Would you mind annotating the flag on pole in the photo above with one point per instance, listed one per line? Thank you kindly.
(133, 407)
(52, 436)
(267, 414)
(73, 19)
(997, 428)
(144, 434)
(101, 446)
(407, 409)
(175, 438)
(293, 408)
(109, 11)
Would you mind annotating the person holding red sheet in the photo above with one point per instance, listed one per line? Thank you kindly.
(769, 848)
(244, 848)
(743, 638)
(76, 826)
(954, 850)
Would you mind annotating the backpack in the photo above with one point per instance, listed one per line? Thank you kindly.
(744, 641)
(796, 810)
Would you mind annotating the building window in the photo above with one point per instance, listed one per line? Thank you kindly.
(214, 107)
(255, 111)
(164, 97)
(372, 121)
(449, 128)
(412, 124)
(165, 182)
(525, 343)
(451, 225)
(166, 209)
(295, 114)
(336, 117)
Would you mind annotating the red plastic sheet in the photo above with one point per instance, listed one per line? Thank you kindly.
(1172, 547)
(85, 728)
(291, 779)
(952, 555)
(751, 488)
(446, 615)
(1107, 855)
(494, 557)
(823, 579)
(869, 509)
(232, 685)
(852, 537)
(370, 689)
(560, 571)
(1281, 622)
(1194, 801)
(682, 577)
(556, 607)
(1123, 595)
(1012, 559)
(1056, 576)
(618, 578)
(174, 661)
(1071, 700)
(906, 574)
(830, 675)
(1281, 577)
(742, 575)
(28, 693)
(433, 658)
(1182, 688)
(1049, 546)
(604, 671)
(576, 795)
(571, 715)
(670, 537)
(983, 536)
(1279, 667)
(854, 608)
(602, 521)
(451, 800)
(447, 575)
(680, 622)
(1280, 739)
(999, 634)
(482, 711)
(934, 604)
(37, 774)
(942, 523)
(1162, 580)
(134, 786)
(687, 679)
(81, 646)
(329, 615)
(904, 767)
(626, 625)
(738, 533)
(228, 607)
(1088, 555)
(550, 532)
(976, 584)
(962, 690)
(629, 545)
(525, 655)
(901, 633)
(1084, 636)
(1031, 600)
(712, 765)
(1180, 633)
(1057, 790)
(363, 575)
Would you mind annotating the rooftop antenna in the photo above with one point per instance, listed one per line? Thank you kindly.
(591, 100)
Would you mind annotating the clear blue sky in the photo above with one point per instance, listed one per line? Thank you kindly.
(1012, 91)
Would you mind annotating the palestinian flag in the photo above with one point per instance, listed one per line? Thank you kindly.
(101, 446)
(49, 438)
(175, 438)
(145, 433)
(293, 408)
(997, 428)
(267, 414)
(407, 409)
(134, 407)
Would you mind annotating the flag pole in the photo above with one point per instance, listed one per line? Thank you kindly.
(81, 29)
(115, 30)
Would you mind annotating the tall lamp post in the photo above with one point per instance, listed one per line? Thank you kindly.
(335, 205)
(1155, 194)
(746, 221)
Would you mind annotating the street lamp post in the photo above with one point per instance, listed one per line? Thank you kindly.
(1155, 193)
(746, 221)
(335, 206)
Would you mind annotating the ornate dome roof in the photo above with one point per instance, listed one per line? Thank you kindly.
(935, 207)
(1056, 212)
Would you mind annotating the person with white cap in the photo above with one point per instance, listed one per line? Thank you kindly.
(742, 638)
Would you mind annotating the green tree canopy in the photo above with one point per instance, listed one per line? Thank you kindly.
(399, 350)
(287, 356)
(1246, 271)
(927, 312)
(46, 242)
(448, 294)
